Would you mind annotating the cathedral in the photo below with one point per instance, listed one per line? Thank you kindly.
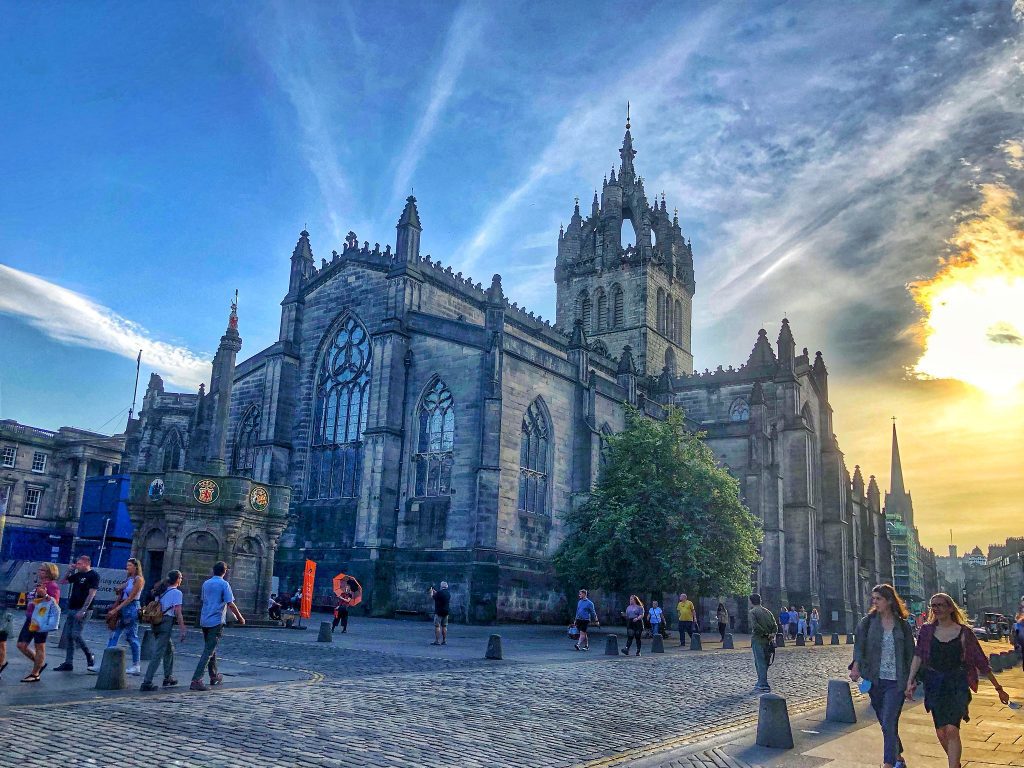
(410, 425)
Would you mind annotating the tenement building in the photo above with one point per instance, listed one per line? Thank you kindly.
(42, 482)
(422, 427)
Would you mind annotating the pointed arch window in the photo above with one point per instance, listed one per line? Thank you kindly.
(739, 410)
(606, 432)
(342, 383)
(584, 310)
(677, 316)
(660, 311)
(245, 440)
(435, 449)
(618, 307)
(534, 460)
(601, 321)
(171, 451)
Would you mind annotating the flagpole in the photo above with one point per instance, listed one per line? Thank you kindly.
(135, 392)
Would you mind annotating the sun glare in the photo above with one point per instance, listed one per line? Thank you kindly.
(974, 307)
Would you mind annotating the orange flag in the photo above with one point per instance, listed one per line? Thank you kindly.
(306, 607)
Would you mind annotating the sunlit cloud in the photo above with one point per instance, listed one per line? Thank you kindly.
(974, 307)
(71, 318)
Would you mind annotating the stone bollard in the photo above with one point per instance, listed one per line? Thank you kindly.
(773, 722)
(835, 638)
(800, 640)
(493, 648)
(996, 662)
(111, 676)
(657, 644)
(728, 644)
(148, 644)
(611, 645)
(818, 639)
(325, 636)
(849, 638)
(780, 640)
(695, 642)
(840, 703)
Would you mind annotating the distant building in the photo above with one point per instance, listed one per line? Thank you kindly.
(908, 576)
(950, 571)
(974, 581)
(42, 482)
(1002, 582)
(929, 573)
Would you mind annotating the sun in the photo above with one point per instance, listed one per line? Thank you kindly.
(974, 307)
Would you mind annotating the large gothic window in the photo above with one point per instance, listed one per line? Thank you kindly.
(739, 410)
(677, 316)
(618, 308)
(339, 415)
(660, 312)
(584, 310)
(245, 440)
(534, 460)
(171, 450)
(434, 452)
(601, 321)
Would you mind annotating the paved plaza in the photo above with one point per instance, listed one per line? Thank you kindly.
(381, 695)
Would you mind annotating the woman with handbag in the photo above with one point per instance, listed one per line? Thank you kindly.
(952, 659)
(125, 613)
(634, 624)
(882, 653)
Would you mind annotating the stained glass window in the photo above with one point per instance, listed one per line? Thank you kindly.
(534, 460)
(435, 450)
(739, 410)
(339, 414)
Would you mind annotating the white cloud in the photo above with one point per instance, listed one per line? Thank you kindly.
(71, 318)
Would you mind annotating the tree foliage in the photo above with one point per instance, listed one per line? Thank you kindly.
(664, 517)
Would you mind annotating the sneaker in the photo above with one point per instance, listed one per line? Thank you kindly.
(216, 679)
(134, 669)
(444, 642)
(197, 685)
(638, 653)
(900, 763)
(65, 667)
(93, 668)
(148, 687)
(169, 681)
(585, 648)
(625, 651)
(435, 643)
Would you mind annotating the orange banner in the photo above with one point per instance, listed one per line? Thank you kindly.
(306, 606)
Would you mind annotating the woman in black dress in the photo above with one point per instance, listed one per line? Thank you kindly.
(951, 659)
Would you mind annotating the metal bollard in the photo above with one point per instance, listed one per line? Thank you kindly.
(773, 729)
(839, 708)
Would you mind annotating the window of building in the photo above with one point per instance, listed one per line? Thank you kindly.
(618, 307)
(534, 460)
(38, 462)
(739, 410)
(32, 498)
(339, 414)
(677, 316)
(10, 455)
(435, 449)
(659, 322)
(601, 321)
(171, 451)
(245, 440)
(584, 310)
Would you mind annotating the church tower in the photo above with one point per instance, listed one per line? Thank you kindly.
(898, 502)
(626, 273)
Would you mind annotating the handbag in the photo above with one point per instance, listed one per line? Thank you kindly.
(46, 616)
(112, 619)
(574, 631)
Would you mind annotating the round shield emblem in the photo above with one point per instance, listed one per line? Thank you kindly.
(206, 491)
(259, 498)
(156, 490)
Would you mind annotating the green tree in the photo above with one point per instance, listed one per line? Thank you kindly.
(663, 517)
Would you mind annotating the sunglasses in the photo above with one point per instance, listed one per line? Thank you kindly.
(933, 606)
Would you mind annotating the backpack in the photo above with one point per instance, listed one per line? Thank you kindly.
(46, 616)
(152, 613)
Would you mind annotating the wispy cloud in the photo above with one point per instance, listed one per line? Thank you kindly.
(462, 36)
(71, 318)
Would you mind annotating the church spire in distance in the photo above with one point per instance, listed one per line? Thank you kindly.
(896, 485)
(627, 153)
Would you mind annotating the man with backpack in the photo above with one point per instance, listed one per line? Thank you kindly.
(763, 628)
(218, 599)
(168, 601)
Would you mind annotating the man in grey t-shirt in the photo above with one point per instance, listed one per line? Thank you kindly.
(218, 599)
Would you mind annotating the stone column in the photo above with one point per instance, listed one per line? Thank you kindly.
(83, 468)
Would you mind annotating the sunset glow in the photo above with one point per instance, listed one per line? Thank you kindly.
(974, 307)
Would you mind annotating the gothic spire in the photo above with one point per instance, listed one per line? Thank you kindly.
(896, 486)
(627, 153)
(407, 247)
(762, 354)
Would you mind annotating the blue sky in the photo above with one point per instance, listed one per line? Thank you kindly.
(156, 157)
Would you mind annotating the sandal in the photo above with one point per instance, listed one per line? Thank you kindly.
(30, 679)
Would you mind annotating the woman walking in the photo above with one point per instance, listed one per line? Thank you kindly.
(952, 660)
(723, 620)
(126, 609)
(802, 623)
(169, 595)
(634, 624)
(46, 590)
(815, 622)
(882, 655)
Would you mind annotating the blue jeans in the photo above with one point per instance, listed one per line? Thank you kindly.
(74, 630)
(758, 647)
(129, 624)
(887, 701)
(814, 628)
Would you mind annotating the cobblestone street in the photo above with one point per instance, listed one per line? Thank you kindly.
(344, 704)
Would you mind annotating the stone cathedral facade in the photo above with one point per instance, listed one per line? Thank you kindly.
(421, 427)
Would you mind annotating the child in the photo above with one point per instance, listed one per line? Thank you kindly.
(656, 617)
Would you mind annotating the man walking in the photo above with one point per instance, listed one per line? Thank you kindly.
(218, 599)
(762, 633)
(684, 614)
(442, 607)
(585, 613)
(84, 582)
